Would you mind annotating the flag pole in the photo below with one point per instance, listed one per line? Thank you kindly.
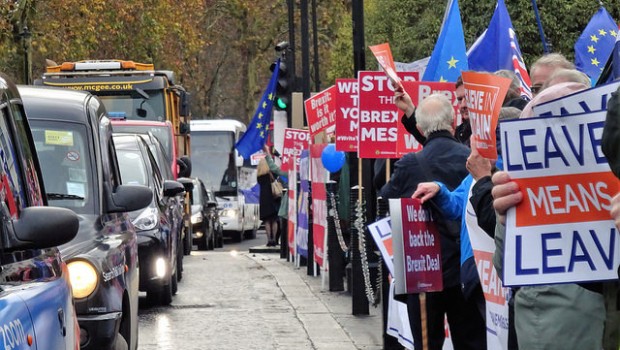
(540, 28)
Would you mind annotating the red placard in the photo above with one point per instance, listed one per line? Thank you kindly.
(295, 141)
(484, 94)
(321, 110)
(417, 247)
(347, 114)
(378, 132)
(319, 176)
(383, 54)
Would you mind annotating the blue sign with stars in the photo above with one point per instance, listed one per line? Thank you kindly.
(595, 44)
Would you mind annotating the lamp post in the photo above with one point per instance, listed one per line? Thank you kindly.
(26, 37)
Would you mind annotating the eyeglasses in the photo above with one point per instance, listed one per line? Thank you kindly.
(536, 88)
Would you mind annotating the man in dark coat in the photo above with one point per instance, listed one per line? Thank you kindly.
(443, 159)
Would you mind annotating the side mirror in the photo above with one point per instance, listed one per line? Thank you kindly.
(238, 159)
(185, 166)
(187, 183)
(173, 188)
(44, 227)
(128, 198)
(184, 105)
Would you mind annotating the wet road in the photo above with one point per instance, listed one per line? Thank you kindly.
(225, 301)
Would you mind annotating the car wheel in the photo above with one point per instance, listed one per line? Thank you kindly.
(175, 285)
(238, 236)
(161, 295)
(120, 343)
(202, 243)
(187, 246)
(220, 238)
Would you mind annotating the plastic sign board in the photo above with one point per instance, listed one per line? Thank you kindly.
(561, 232)
(347, 114)
(484, 95)
(416, 246)
(319, 177)
(381, 232)
(383, 54)
(321, 110)
(380, 132)
(295, 141)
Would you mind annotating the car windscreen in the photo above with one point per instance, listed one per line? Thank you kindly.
(66, 165)
(162, 133)
(213, 161)
(132, 167)
(148, 105)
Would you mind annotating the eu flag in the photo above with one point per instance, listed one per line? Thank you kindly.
(258, 130)
(449, 56)
(595, 44)
(497, 48)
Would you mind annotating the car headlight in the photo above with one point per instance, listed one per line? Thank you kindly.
(147, 220)
(83, 277)
(197, 218)
(231, 213)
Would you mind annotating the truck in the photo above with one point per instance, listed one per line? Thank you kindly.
(216, 162)
(130, 91)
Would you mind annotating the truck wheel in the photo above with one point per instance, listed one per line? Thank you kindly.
(120, 343)
(238, 236)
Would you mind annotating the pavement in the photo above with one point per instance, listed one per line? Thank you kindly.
(326, 316)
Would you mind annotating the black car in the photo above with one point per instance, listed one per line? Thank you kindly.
(206, 226)
(158, 237)
(35, 294)
(73, 139)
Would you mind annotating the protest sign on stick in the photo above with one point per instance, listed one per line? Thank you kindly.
(561, 232)
(484, 95)
(347, 114)
(295, 141)
(383, 54)
(321, 111)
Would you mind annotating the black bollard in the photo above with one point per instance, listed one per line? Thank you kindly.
(283, 238)
(335, 253)
(310, 260)
(359, 303)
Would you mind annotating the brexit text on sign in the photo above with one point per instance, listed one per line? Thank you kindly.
(295, 141)
(379, 131)
(416, 247)
(321, 110)
(561, 231)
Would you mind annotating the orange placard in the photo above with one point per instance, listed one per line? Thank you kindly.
(565, 199)
(484, 94)
(383, 54)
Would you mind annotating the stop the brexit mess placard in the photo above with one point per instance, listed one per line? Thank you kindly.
(561, 231)
(379, 133)
(295, 141)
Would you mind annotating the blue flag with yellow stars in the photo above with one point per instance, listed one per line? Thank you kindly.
(258, 130)
(595, 44)
(449, 56)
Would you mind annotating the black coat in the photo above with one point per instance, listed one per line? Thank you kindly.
(445, 158)
(268, 204)
(611, 134)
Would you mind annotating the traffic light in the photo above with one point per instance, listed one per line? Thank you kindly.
(283, 88)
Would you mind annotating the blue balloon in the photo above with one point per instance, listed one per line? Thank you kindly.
(332, 160)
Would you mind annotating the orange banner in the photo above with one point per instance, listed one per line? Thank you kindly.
(565, 199)
(484, 94)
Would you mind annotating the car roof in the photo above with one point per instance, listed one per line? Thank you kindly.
(54, 103)
(144, 123)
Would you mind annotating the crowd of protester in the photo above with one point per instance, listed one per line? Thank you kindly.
(448, 174)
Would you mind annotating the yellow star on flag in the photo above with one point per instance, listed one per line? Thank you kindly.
(260, 115)
(591, 49)
(594, 38)
(265, 104)
(602, 32)
(452, 62)
(267, 126)
(613, 33)
(259, 125)
(262, 134)
(595, 62)
(442, 79)
(270, 96)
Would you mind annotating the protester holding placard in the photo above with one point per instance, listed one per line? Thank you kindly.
(544, 67)
(442, 158)
(556, 316)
